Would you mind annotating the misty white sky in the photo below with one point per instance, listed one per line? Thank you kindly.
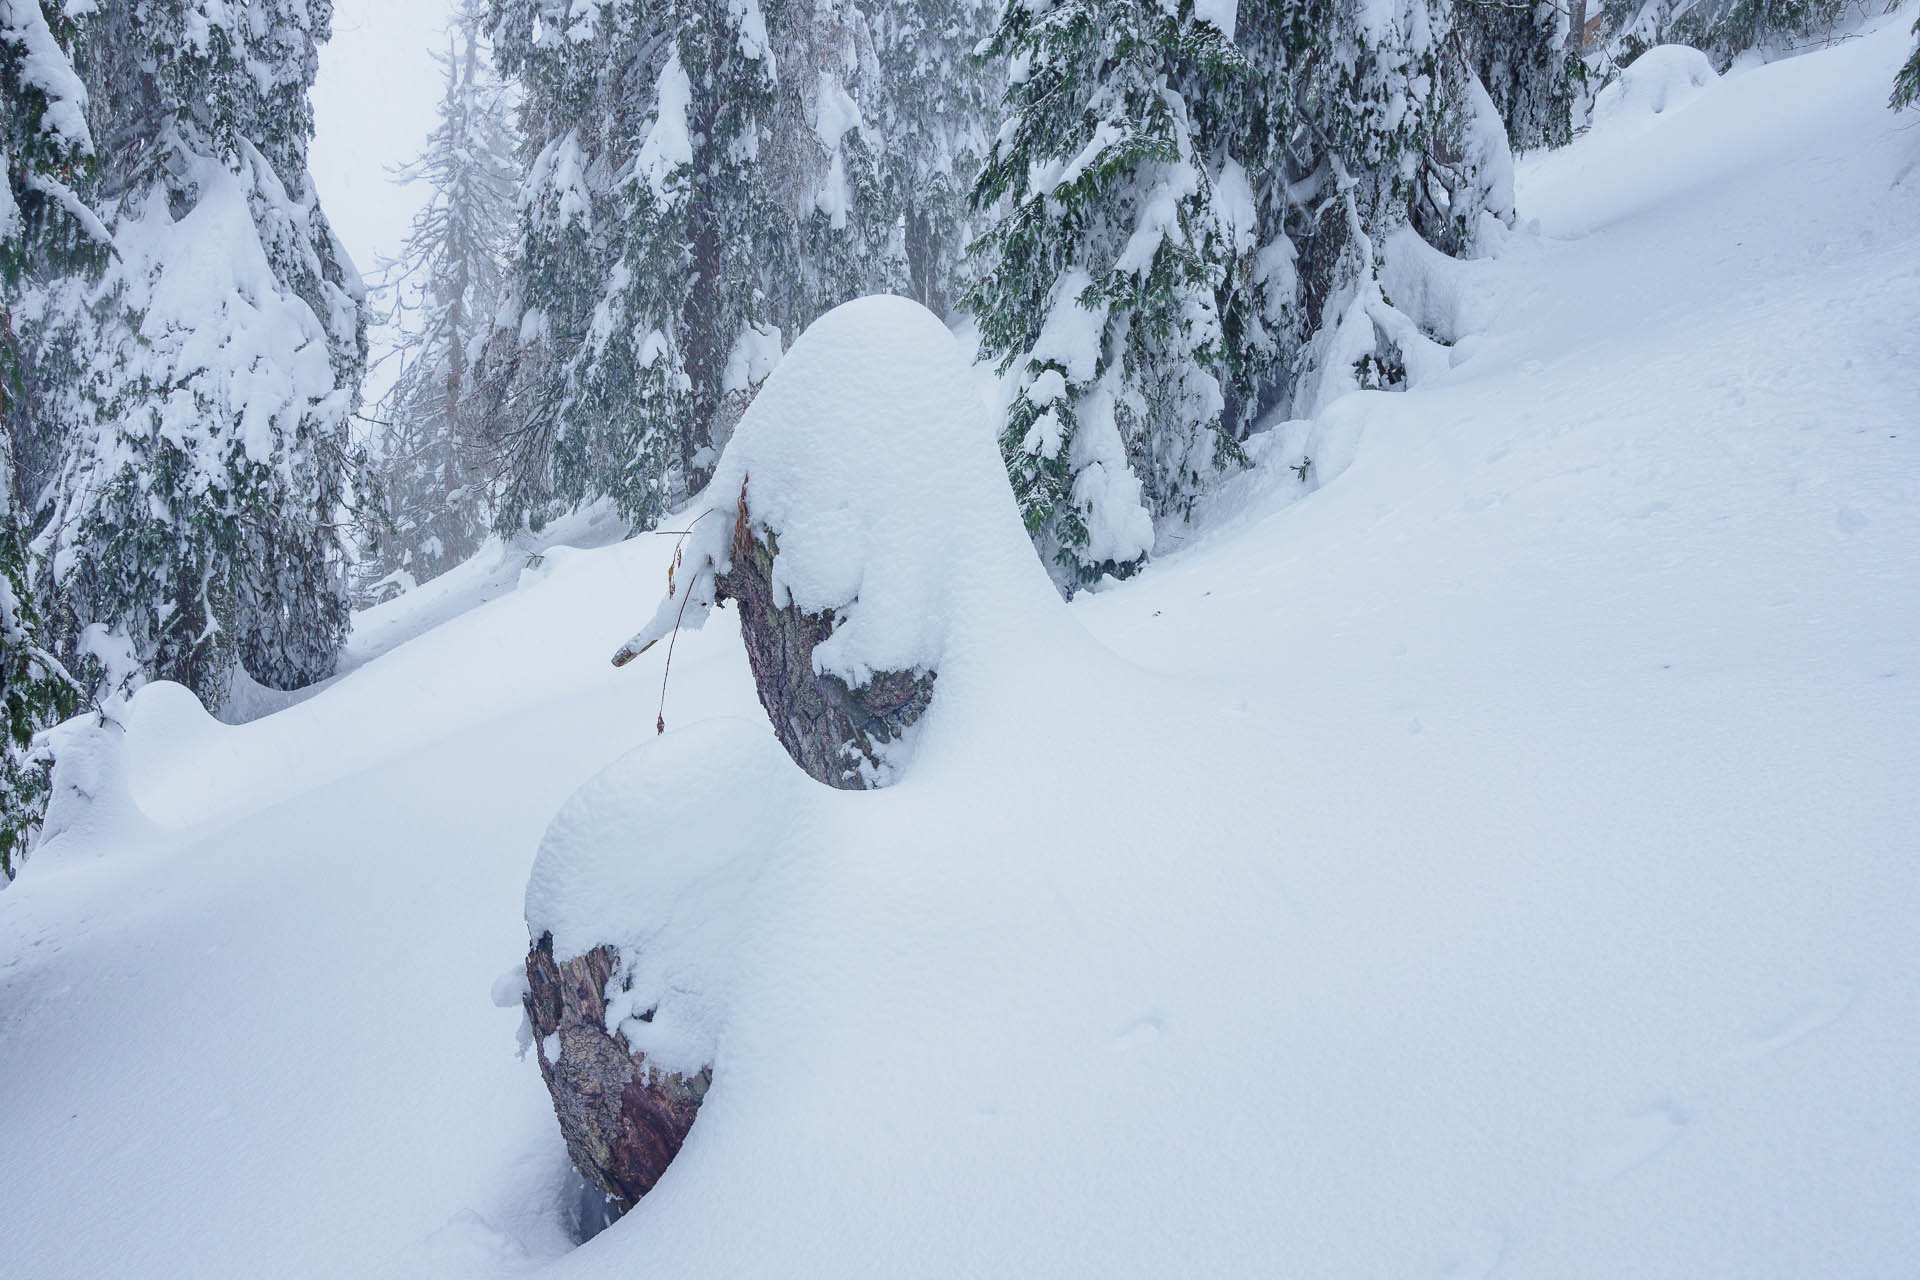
(373, 107)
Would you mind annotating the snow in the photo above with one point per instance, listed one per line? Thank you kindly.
(267, 355)
(1233, 198)
(752, 25)
(1071, 335)
(45, 67)
(1664, 78)
(634, 859)
(834, 114)
(871, 458)
(1105, 488)
(669, 146)
(1491, 158)
(755, 353)
(1223, 14)
(1490, 854)
(556, 186)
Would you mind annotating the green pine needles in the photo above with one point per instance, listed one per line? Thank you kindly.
(1188, 206)
(1906, 84)
(1109, 259)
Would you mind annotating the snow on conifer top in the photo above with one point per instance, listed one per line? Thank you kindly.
(870, 458)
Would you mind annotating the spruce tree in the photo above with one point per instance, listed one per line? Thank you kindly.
(1191, 207)
(634, 267)
(704, 180)
(1527, 62)
(202, 387)
(1723, 29)
(35, 688)
(1362, 97)
(45, 149)
(1727, 28)
(443, 292)
(1465, 182)
(937, 109)
(825, 163)
(1107, 258)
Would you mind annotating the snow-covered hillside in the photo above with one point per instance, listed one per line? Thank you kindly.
(1494, 853)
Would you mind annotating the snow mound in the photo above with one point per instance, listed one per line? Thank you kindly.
(1662, 79)
(654, 856)
(870, 459)
(177, 752)
(91, 807)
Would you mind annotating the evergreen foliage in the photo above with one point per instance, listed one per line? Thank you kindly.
(1906, 84)
(705, 179)
(1725, 28)
(1106, 266)
(444, 291)
(1526, 61)
(1190, 202)
(1721, 28)
(938, 102)
(200, 389)
(45, 149)
(35, 689)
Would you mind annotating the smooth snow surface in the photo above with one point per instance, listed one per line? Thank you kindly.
(1492, 854)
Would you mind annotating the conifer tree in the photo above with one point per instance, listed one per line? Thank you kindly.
(637, 248)
(1906, 84)
(45, 148)
(1722, 28)
(826, 166)
(1191, 207)
(444, 290)
(1107, 261)
(704, 181)
(35, 688)
(202, 386)
(938, 107)
(1365, 98)
(1466, 172)
(1527, 62)
(1726, 28)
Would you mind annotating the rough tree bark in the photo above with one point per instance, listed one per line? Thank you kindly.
(622, 1119)
(834, 732)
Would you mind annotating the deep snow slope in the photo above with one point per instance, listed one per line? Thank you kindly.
(1495, 855)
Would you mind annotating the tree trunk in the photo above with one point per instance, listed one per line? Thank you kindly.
(622, 1119)
(836, 733)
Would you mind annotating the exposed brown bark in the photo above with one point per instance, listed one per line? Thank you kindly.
(832, 731)
(623, 1121)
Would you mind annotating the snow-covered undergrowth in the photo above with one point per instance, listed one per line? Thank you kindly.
(1501, 863)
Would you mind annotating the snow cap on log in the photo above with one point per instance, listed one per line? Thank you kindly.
(869, 459)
